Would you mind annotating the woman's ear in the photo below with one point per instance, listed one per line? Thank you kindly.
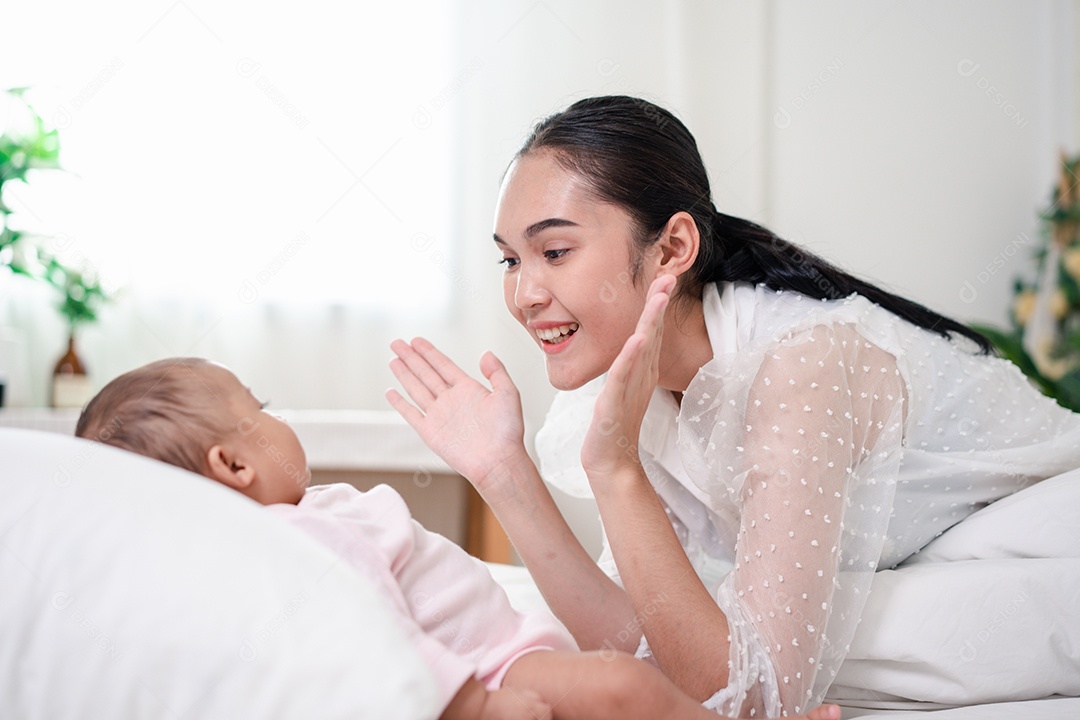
(679, 244)
(230, 469)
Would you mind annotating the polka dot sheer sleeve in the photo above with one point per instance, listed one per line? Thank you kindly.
(802, 446)
(812, 426)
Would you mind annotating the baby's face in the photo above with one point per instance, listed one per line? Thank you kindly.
(273, 449)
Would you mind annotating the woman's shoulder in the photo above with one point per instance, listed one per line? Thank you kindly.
(768, 317)
(777, 327)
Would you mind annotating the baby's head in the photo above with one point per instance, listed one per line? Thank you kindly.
(197, 415)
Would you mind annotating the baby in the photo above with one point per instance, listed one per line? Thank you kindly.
(490, 661)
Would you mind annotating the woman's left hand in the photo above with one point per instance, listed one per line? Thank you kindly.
(670, 604)
(611, 442)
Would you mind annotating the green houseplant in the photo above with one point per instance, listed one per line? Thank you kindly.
(1043, 338)
(27, 144)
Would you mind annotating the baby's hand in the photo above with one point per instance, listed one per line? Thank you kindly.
(517, 704)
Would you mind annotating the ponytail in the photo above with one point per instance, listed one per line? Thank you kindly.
(642, 158)
(751, 253)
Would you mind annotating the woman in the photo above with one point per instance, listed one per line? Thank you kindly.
(759, 446)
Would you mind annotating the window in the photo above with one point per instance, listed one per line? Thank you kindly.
(224, 153)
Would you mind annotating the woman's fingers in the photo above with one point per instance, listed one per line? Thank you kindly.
(412, 416)
(426, 374)
(656, 302)
(419, 365)
(625, 360)
(447, 370)
(635, 363)
(419, 391)
(642, 351)
(423, 370)
(496, 374)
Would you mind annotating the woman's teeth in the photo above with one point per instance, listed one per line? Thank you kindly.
(557, 335)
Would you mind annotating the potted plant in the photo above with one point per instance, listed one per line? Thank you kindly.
(26, 144)
(1043, 339)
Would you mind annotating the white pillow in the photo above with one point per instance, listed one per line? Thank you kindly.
(985, 613)
(133, 589)
(1039, 521)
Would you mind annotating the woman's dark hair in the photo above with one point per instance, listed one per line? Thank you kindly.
(640, 157)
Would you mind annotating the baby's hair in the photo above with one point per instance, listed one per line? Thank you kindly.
(169, 410)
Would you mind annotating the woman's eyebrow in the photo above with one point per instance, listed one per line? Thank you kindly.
(538, 227)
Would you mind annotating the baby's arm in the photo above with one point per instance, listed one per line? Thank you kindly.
(603, 685)
(474, 702)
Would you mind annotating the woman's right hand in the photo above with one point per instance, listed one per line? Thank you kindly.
(480, 433)
(476, 430)
(628, 389)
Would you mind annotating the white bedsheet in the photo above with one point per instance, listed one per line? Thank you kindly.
(1053, 708)
(984, 623)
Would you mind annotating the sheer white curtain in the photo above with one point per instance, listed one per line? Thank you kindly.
(287, 188)
(266, 185)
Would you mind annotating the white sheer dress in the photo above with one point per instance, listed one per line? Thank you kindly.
(824, 441)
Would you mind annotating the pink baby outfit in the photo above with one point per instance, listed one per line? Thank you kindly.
(455, 614)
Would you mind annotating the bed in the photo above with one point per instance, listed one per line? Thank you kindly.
(985, 621)
(133, 589)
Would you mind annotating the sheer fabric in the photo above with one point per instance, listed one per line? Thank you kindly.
(824, 441)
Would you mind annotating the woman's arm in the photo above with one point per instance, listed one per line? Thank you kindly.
(596, 611)
(480, 433)
(686, 630)
(810, 457)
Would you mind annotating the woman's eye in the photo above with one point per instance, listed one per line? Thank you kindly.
(509, 262)
(554, 254)
(264, 405)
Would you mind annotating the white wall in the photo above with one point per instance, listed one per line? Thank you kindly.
(930, 145)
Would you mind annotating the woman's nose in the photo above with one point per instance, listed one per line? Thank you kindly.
(530, 290)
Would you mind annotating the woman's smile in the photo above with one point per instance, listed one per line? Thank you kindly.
(556, 335)
(558, 243)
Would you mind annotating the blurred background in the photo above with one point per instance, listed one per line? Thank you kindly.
(286, 187)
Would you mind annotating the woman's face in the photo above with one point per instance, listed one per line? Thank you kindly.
(568, 268)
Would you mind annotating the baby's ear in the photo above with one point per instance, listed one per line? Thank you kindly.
(229, 469)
